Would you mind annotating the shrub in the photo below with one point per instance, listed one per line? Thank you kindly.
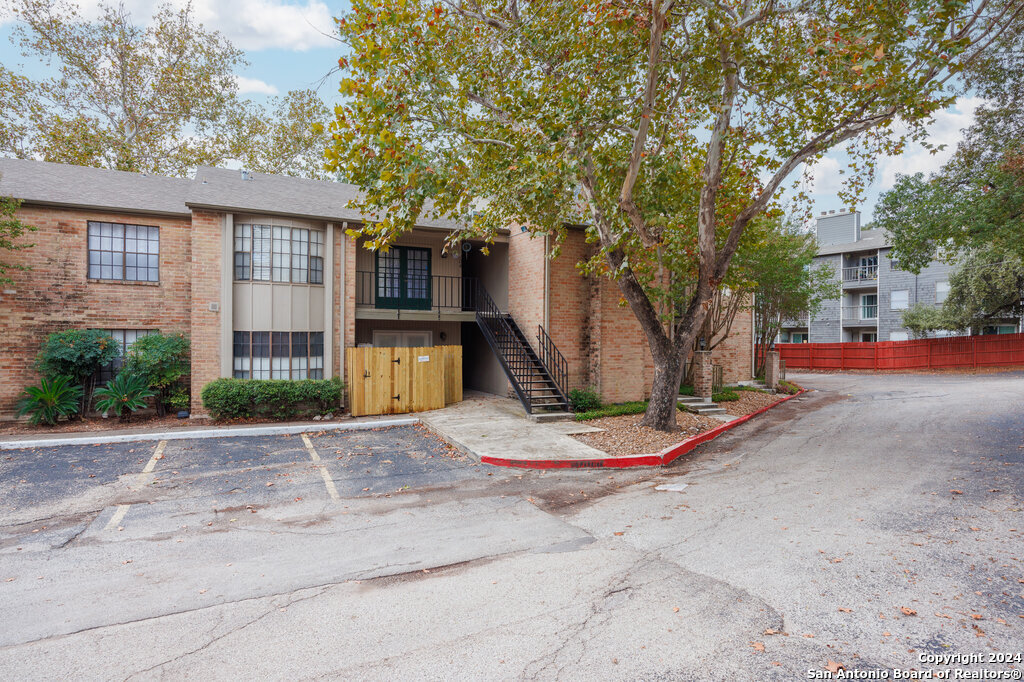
(685, 390)
(613, 411)
(788, 387)
(725, 396)
(124, 394)
(52, 399)
(179, 400)
(584, 399)
(276, 398)
(752, 389)
(162, 361)
(78, 354)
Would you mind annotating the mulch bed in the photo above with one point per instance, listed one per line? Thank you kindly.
(625, 436)
(100, 424)
(750, 401)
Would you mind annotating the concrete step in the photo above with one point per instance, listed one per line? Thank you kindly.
(689, 400)
(703, 408)
(544, 417)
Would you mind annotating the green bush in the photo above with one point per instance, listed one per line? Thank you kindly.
(179, 400)
(275, 398)
(788, 387)
(124, 394)
(54, 398)
(685, 390)
(725, 396)
(613, 411)
(162, 361)
(752, 389)
(584, 399)
(79, 354)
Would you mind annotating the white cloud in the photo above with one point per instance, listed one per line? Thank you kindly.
(250, 24)
(947, 129)
(825, 177)
(254, 85)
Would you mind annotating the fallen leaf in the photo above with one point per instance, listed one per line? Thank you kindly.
(845, 610)
(758, 646)
(269, 484)
(977, 616)
(834, 667)
(907, 611)
(619, 532)
(886, 634)
(675, 609)
(809, 636)
(769, 631)
(957, 492)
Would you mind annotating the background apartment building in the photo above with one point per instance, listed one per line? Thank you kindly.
(875, 291)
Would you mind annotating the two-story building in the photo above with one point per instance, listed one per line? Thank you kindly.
(269, 279)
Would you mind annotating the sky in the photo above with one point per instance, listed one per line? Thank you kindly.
(290, 45)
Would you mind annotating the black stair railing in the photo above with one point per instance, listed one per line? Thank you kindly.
(513, 357)
(553, 361)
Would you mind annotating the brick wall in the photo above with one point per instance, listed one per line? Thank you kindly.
(207, 228)
(526, 264)
(604, 345)
(56, 294)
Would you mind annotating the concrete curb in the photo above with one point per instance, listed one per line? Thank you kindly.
(660, 459)
(207, 433)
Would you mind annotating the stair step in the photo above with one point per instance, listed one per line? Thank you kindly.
(543, 417)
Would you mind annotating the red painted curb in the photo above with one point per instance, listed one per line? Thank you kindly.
(664, 457)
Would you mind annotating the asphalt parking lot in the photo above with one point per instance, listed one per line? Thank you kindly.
(872, 521)
(242, 472)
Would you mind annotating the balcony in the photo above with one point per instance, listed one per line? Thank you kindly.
(393, 296)
(862, 276)
(801, 320)
(860, 315)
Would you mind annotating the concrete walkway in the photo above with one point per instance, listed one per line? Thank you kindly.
(484, 425)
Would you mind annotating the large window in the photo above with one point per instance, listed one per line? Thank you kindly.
(127, 253)
(124, 338)
(280, 254)
(899, 299)
(941, 291)
(278, 355)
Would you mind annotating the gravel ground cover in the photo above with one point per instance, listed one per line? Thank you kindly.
(625, 436)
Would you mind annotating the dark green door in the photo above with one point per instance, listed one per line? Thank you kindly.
(403, 279)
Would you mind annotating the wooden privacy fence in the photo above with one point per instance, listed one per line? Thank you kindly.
(997, 350)
(397, 380)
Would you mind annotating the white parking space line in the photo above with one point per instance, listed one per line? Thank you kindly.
(331, 490)
(143, 480)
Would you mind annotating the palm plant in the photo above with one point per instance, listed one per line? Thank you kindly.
(123, 395)
(50, 400)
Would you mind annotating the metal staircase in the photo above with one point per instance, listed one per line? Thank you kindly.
(538, 380)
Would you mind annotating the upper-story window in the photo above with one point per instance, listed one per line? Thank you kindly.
(271, 253)
(128, 253)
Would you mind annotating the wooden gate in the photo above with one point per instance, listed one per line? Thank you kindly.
(398, 380)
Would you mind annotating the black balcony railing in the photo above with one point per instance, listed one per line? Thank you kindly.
(436, 292)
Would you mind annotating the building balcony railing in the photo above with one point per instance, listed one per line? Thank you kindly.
(860, 313)
(866, 275)
(799, 321)
(393, 291)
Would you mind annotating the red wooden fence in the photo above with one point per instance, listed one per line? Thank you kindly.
(996, 350)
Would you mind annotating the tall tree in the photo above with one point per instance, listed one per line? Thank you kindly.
(986, 289)
(124, 96)
(976, 200)
(786, 283)
(159, 97)
(648, 121)
(286, 137)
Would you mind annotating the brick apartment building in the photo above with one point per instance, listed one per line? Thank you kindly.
(260, 272)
